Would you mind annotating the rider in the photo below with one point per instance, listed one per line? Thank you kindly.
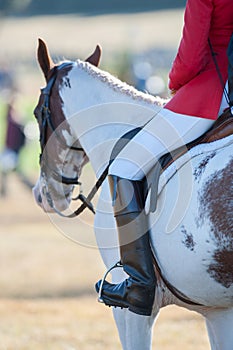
(197, 101)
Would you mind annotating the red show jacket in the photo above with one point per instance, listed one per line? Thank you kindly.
(193, 73)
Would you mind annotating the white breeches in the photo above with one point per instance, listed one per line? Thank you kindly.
(164, 133)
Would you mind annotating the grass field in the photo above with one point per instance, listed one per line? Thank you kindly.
(47, 298)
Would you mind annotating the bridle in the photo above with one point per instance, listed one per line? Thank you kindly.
(45, 122)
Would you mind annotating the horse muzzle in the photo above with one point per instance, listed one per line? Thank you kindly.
(45, 201)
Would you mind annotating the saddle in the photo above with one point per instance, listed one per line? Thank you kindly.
(223, 127)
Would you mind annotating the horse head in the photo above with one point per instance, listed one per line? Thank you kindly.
(62, 156)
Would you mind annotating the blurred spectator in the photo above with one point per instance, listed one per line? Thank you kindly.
(14, 141)
(15, 137)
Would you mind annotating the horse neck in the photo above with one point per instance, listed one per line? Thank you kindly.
(101, 109)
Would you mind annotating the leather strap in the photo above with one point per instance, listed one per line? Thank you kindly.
(219, 73)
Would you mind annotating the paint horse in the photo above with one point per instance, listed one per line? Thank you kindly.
(82, 113)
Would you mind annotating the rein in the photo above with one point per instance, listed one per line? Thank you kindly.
(86, 201)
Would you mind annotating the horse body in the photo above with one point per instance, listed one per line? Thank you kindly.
(191, 230)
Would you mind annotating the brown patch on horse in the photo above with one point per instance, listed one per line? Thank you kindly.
(57, 115)
(94, 59)
(56, 102)
(188, 240)
(200, 169)
(216, 204)
(221, 270)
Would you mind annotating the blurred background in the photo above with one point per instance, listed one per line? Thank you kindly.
(139, 41)
(47, 298)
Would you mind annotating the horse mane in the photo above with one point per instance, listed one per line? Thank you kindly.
(119, 86)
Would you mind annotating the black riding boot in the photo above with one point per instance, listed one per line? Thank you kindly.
(136, 292)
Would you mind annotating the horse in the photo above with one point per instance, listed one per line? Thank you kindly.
(82, 113)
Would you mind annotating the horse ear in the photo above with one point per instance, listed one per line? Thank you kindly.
(95, 57)
(44, 59)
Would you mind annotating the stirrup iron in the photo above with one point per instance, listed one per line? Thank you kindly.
(118, 264)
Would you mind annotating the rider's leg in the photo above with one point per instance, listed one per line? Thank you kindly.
(137, 292)
(164, 133)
